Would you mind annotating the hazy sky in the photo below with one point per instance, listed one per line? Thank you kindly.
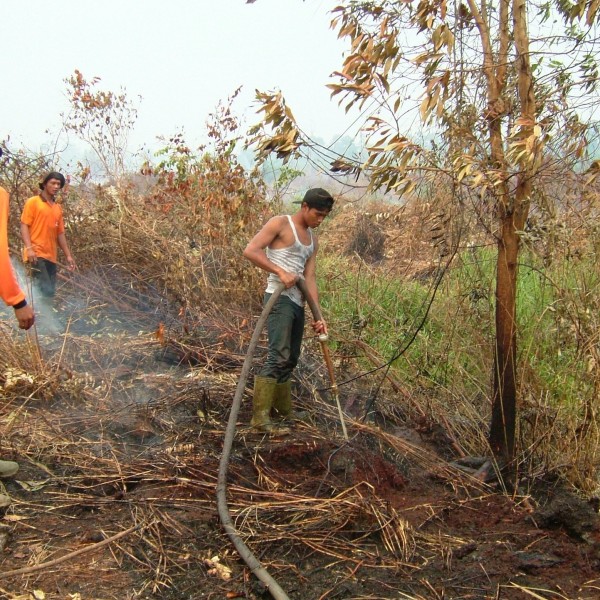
(180, 56)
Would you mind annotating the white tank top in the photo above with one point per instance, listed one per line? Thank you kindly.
(293, 260)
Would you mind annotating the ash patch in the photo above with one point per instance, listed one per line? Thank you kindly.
(573, 514)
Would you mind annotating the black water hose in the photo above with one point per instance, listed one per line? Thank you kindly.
(255, 566)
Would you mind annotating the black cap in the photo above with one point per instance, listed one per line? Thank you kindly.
(317, 198)
(53, 175)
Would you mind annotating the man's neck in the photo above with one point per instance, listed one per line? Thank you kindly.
(47, 197)
(299, 221)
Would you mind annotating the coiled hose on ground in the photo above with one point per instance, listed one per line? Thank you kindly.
(255, 566)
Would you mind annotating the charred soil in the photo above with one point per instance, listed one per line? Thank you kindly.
(119, 454)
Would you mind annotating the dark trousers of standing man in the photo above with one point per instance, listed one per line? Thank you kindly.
(285, 326)
(44, 274)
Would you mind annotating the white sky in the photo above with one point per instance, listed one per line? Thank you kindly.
(181, 56)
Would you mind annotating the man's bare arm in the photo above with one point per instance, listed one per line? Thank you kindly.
(62, 242)
(310, 276)
(29, 250)
(255, 251)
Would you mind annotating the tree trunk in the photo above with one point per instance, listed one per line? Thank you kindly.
(502, 428)
(513, 214)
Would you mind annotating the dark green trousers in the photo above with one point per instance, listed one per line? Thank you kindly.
(285, 326)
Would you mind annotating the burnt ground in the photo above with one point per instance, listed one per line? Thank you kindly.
(119, 435)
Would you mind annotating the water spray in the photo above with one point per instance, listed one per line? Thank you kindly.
(323, 338)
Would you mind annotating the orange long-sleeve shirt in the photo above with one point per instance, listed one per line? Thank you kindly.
(10, 291)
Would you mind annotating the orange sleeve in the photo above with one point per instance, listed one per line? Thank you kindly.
(10, 291)
(27, 215)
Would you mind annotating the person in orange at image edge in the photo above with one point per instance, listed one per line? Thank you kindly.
(43, 231)
(12, 295)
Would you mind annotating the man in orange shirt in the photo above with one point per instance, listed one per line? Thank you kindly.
(12, 295)
(43, 231)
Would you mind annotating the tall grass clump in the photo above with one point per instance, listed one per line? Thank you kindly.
(412, 325)
(439, 338)
(560, 354)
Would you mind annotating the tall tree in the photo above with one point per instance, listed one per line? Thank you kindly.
(506, 88)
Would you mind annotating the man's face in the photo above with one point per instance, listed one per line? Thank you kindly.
(52, 186)
(315, 216)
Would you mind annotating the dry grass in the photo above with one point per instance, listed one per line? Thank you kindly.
(119, 451)
(90, 444)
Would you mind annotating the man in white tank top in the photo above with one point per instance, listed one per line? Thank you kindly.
(286, 249)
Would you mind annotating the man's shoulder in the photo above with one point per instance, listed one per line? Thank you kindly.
(33, 206)
(277, 222)
(33, 200)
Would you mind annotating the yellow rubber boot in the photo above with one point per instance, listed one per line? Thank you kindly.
(8, 468)
(282, 403)
(262, 401)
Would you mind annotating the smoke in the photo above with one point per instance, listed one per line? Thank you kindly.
(48, 320)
